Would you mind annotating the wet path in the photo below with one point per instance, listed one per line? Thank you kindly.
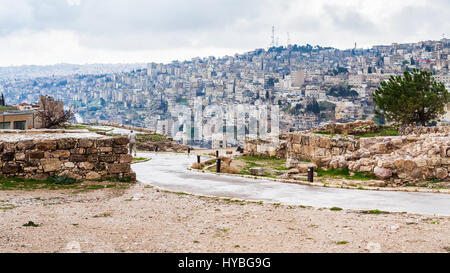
(169, 171)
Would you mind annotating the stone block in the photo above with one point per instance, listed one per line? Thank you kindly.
(116, 168)
(121, 140)
(93, 176)
(78, 158)
(10, 168)
(50, 164)
(382, 173)
(66, 143)
(85, 143)
(46, 145)
(125, 158)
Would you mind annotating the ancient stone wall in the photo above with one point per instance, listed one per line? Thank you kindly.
(265, 148)
(88, 158)
(398, 159)
(319, 148)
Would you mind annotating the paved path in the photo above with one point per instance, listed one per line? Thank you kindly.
(169, 171)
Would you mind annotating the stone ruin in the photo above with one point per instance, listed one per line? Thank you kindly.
(39, 155)
(422, 154)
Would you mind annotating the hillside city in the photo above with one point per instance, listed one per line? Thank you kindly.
(310, 85)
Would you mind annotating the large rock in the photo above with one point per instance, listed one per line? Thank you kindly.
(382, 173)
(50, 164)
(118, 168)
(441, 173)
(292, 162)
(257, 171)
(93, 176)
(303, 166)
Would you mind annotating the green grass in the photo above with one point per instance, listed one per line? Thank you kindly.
(335, 208)
(433, 180)
(139, 158)
(342, 242)
(30, 224)
(154, 137)
(81, 126)
(344, 173)
(60, 182)
(269, 163)
(102, 215)
(324, 133)
(5, 108)
(384, 132)
(375, 211)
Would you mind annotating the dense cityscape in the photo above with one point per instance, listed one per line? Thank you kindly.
(311, 85)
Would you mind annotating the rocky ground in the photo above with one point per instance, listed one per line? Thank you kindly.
(146, 219)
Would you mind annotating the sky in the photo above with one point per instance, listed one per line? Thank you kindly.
(44, 32)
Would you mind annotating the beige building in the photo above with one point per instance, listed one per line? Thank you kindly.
(18, 120)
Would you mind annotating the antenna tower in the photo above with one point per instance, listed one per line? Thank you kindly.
(273, 37)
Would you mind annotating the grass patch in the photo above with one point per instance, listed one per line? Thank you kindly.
(60, 182)
(375, 211)
(384, 132)
(102, 215)
(81, 126)
(269, 163)
(154, 137)
(341, 242)
(335, 208)
(344, 173)
(30, 224)
(433, 180)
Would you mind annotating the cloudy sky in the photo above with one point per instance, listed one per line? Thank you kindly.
(128, 31)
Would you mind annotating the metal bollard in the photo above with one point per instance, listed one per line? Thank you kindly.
(310, 174)
(218, 165)
(217, 153)
(198, 159)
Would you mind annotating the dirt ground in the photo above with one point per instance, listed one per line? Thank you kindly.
(146, 219)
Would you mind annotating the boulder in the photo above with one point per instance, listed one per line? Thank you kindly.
(93, 176)
(257, 171)
(51, 164)
(292, 162)
(303, 166)
(441, 173)
(382, 173)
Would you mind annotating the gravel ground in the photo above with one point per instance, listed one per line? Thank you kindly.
(144, 219)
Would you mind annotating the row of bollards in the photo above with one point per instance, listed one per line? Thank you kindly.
(218, 160)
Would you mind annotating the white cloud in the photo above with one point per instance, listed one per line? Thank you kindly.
(53, 31)
(74, 2)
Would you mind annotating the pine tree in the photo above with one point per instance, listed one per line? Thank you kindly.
(411, 99)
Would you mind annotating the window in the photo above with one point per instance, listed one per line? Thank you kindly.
(5, 125)
(20, 125)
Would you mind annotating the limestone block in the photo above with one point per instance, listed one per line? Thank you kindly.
(86, 165)
(257, 171)
(382, 173)
(121, 140)
(441, 173)
(118, 168)
(93, 176)
(46, 145)
(51, 164)
(85, 143)
(125, 158)
(66, 143)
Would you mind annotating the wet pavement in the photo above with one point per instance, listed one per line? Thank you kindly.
(169, 171)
